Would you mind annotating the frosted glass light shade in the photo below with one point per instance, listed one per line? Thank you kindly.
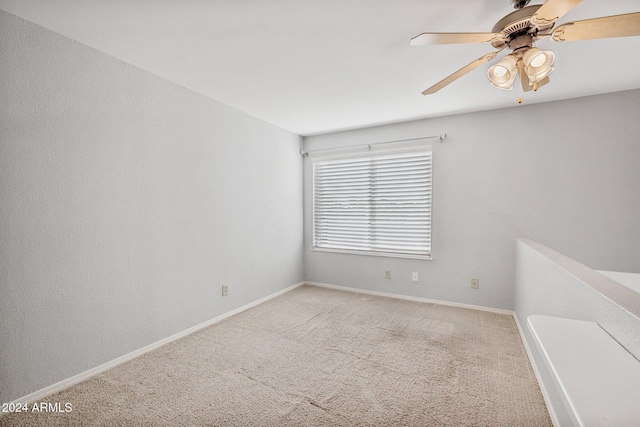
(503, 73)
(538, 64)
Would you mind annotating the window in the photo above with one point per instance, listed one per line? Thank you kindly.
(376, 205)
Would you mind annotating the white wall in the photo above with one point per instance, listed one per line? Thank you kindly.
(126, 202)
(565, 174)
(552, 284)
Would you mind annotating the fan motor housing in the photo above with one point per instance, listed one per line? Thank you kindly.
(516, 24)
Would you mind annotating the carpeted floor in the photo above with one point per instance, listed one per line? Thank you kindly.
(320, 357)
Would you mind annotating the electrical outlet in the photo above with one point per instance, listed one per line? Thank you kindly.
(387, 274)
(475, 283)
(225, 290)
(414, 277)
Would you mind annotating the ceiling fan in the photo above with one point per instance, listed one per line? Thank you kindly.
(518, 31)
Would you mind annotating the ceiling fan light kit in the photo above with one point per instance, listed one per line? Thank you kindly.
(538, 64)
(518, 31)
(504, 72)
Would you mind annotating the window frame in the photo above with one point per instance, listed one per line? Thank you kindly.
(377, 155)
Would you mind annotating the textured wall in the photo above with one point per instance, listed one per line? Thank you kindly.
(563, 173)
(552, 284)
(126, 201)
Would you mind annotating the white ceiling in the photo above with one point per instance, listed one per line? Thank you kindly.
(315, 66)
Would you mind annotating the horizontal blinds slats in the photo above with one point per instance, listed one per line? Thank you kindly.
(379, 204)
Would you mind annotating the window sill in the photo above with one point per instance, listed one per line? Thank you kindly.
(372, 253)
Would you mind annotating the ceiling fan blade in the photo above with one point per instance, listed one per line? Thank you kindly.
(599, 28)
(524, 80)
(541, 83)
(461, 72)
(551, 11)
(455, 38)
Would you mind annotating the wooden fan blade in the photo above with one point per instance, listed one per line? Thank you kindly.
(455, 38)
(599, 28)
(551, 11)
(461, 72)
(541, 83)
(524, 80)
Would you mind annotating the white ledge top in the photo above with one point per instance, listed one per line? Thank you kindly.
(600, 379)
(615, 292)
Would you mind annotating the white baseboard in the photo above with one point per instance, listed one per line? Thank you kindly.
(54, 388)
(410, 298)
(59, 386)
(545, 394)
(536, 371)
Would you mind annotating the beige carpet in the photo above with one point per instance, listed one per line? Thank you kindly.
(321, 357)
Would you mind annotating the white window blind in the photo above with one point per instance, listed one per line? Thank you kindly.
(376, 204)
